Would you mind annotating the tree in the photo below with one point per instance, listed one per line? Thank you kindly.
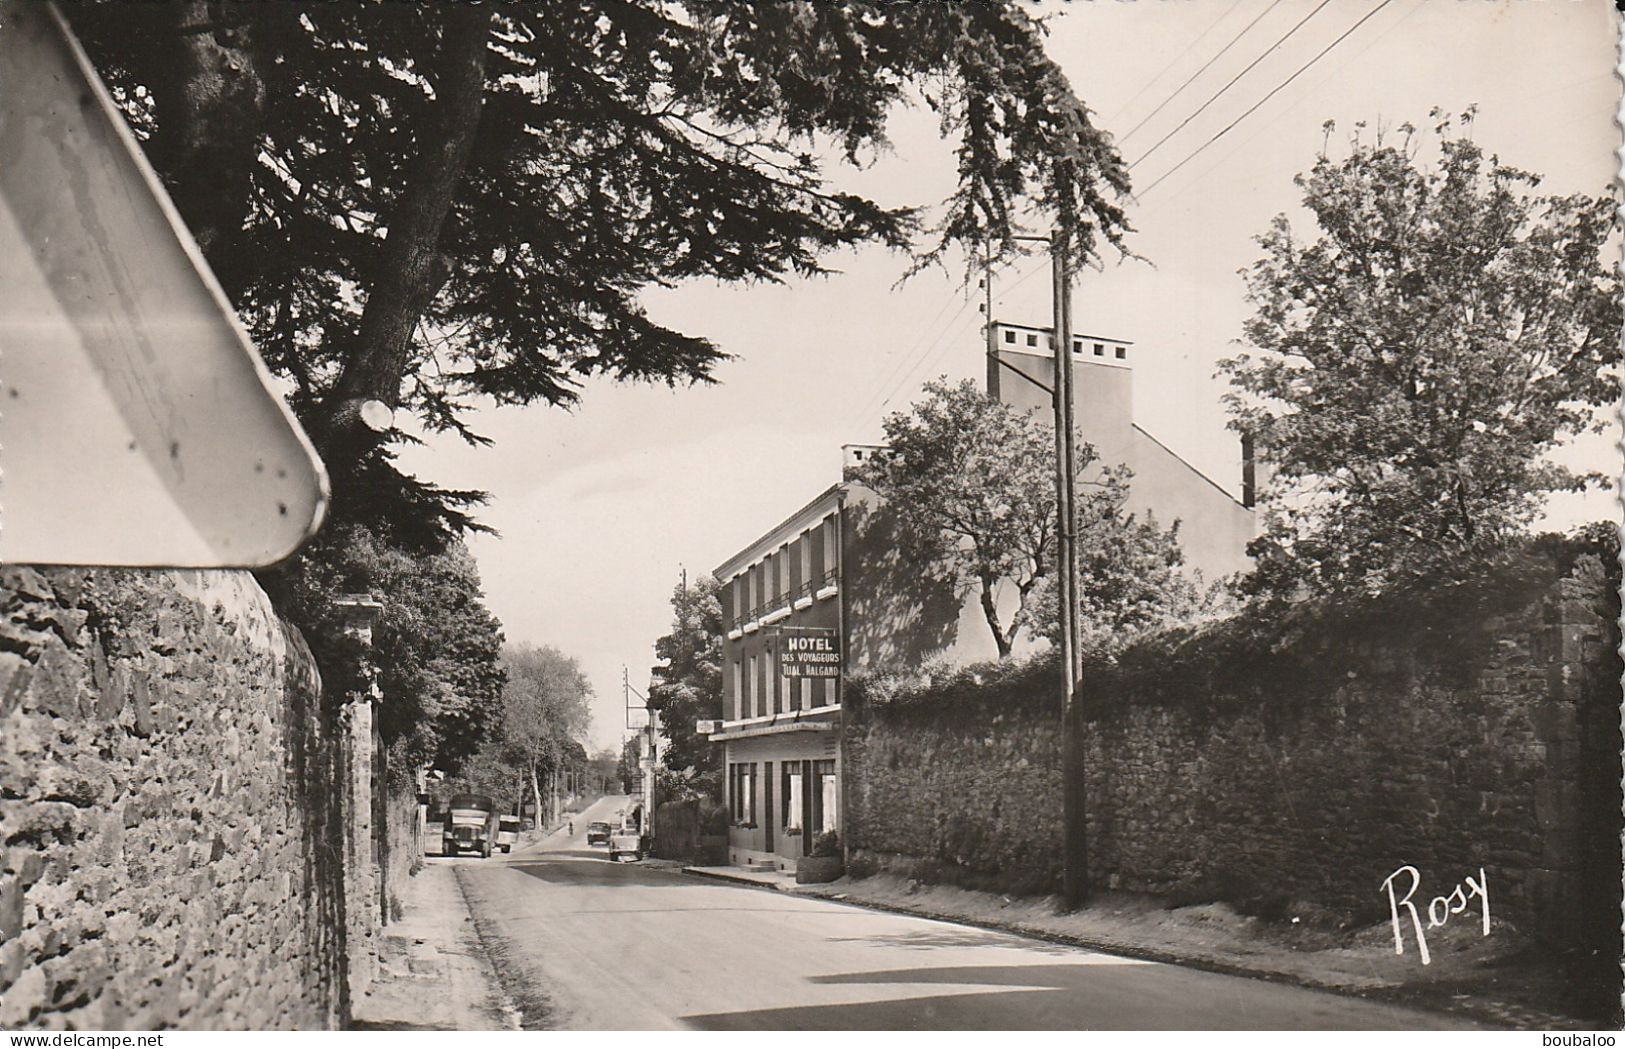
(971, 484)
(602, 769)
(1418, 360)
(426, 204)
(545, 713)
(688, 685)
(435, 646)
(630, 766)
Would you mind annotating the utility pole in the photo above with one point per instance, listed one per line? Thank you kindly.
(1075, 854)
(1074, 848)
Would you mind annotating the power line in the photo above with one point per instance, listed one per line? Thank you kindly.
(1216, 95)
(921, 357)
(1176, 59)
(1379, 38)
(891, 373)
(1233, 40)
(950, 334)
(943, 342)
(1273, 92)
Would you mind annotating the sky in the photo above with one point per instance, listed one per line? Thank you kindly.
(602, 507)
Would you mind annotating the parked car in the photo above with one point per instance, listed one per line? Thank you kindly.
(625, 842)
(598, 834)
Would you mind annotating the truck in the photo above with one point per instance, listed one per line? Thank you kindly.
(471, 825)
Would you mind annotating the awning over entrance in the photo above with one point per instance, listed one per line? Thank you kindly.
(775, 730)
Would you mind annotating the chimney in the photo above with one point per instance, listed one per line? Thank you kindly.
(1249, 484)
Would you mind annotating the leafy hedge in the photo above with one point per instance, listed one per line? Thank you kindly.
(1270, 652)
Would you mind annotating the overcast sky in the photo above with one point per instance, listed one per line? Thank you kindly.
(599, 508)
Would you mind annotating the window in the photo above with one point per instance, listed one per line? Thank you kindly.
(1122, 352)
(805, 547)
(1100, 351)
(736, 804)
(825, 800)
(792, 796)
(1032, 340)
(750, 793)
(1009, 336)
(828, 528)
(738, 680)
(782, 562)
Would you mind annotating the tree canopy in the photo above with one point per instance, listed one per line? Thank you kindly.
(435, 645)
(688, 684)
(428, 204)
(971, 484)
(1416, 362)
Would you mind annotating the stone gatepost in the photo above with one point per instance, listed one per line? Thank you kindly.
(363, 877)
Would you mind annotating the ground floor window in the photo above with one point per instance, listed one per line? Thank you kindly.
(826, 801)
(742, 791)
(792, 796)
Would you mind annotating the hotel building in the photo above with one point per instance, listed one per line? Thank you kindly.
(825, 592)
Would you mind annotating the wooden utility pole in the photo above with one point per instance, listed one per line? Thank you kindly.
(1075, 845)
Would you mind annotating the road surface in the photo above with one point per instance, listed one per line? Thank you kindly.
(589, 945)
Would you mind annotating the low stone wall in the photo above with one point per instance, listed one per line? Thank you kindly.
(171, 808)
(1296, 762)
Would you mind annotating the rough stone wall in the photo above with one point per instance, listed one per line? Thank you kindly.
(363, 907)
(170, 808)
(404, 844)
(1305, 770)
(965, 789)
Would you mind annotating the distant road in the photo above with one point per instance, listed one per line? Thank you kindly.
(591, 945)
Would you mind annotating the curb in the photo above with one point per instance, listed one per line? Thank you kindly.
(700, 872)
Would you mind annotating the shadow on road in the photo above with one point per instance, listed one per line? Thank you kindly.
(573, 867)
(925, 940)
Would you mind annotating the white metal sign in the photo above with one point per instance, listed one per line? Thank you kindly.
(137, 424)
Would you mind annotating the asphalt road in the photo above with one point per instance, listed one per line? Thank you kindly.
(585, 944)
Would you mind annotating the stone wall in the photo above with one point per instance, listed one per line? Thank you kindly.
(959, 782)
(1298, 761)
(171, 808)
(403, 841)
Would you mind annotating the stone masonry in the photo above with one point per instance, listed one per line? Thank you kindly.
(171, 808)
(1301, 774)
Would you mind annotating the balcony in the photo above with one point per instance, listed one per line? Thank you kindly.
(804, 595)
(736, 628)
(776, 610)
(829, 585)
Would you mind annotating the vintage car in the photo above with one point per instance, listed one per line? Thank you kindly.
(470, 825)
(625, 842)
(507, 832)
(598, 833)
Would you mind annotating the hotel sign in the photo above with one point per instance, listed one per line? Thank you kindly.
(809, 651)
